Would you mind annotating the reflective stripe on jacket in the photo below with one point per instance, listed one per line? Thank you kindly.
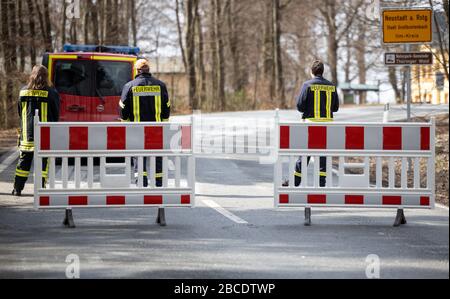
(145, 99)
(318, 100)
(46, 101)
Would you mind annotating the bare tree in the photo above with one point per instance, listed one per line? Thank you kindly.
(443, 46)
(330, 9)
(220, 71)
(278, 64)
(133, 21)
(191, 7)
(180, 34)
(48, 27)
(32, 32)
(200, 57)
(6, 55)
(21, 37)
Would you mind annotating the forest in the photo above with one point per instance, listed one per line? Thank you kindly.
(236, 54)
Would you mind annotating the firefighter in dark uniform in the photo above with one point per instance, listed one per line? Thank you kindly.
(37, 95)
(318, 100)
(145, 99)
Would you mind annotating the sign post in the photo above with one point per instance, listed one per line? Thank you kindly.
(407, 26)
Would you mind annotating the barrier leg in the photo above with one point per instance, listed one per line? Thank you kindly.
(161, 219)
(400, 219)
(68, 219)
(307, 216)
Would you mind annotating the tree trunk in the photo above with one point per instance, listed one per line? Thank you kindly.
(220, 57)
(348, 57)
(32, 34)
(445, 4)
(41, 24)
(73, 31)
(95, 23)
(12, 24)
(109, 20)
(101, 17)
(232, 21)
(278, 67)
(116, 23)
(213, 51)
(3, 104)
(48, 27)
(444, 54)
(133, 22)
(394, 83)
(191, 6)
(86, 22)
(200, 58)
(64, 23)
(361, 61)
(21, 38)
(126, 23)
(419, 81)
(180, 34)
(332, 40)
(268, 51)
(6, 56)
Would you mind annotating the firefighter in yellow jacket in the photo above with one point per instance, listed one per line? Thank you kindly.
(39, 95)
(318, 101)
(145, 99)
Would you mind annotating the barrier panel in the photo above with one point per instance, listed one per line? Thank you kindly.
(114, 184)
(362, 162)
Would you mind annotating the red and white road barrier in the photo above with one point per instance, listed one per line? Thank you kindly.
(412, 145)
(87, 186)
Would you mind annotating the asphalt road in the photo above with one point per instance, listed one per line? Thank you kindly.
(234, 232)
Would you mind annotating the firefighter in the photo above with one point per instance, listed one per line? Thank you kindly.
(40, 95)
(145, 99)
(318, 100)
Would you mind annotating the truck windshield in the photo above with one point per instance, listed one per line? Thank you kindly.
(111, 77)
(91, 78)
(73, 77)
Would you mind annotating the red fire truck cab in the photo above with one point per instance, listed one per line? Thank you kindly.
(90, 79)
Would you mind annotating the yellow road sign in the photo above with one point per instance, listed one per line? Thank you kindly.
(407, 26)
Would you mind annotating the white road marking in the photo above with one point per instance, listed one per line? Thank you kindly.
(215, 206)
(12, 156)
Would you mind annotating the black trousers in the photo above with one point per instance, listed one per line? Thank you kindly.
(323, 171)
(158, 171)
(23, 170)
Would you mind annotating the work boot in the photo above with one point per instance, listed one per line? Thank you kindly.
(16, 193)
(159, 182)
(298, 182)
(144, 182)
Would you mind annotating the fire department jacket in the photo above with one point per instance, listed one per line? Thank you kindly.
(318, 100)
(145, 99)
(47, 101)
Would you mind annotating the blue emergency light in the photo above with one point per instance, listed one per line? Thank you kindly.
(102, 49)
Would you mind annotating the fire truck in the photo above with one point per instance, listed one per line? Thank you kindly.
(90, 79)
